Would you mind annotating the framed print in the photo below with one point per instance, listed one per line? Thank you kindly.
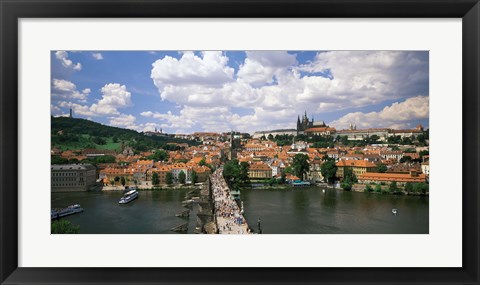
(239, 142)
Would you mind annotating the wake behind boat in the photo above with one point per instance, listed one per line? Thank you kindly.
(128, 197)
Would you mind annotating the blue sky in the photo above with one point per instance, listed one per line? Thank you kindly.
(188, 91)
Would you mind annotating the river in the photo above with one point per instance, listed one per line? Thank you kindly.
(282, 211)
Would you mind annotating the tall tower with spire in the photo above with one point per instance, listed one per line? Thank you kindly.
(71, 112)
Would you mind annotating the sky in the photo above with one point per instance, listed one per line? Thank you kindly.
(247, 91)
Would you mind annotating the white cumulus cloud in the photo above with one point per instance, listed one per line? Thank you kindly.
(398, 115)
(97, 55)
(273, 87)
(190, 72)
(261, 66)
(65, 89)
(114, 96)
(67, 63)
(123, 120)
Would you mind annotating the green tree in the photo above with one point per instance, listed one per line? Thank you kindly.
(344, 140)
(421, 139)
(116, 179)
(56, 159)
(270, 137)
(373, 139)
(346, 184)
(64, 227)
(408, 187)
(283, 178)
(368, 188)
(328, 170)
(169, 178)
(98, 140)
(300, 165)
(382, 168)
(422, 153)
(288, 170)
(112, 182)
(104, 159)
(194, 177)
(421, 187)
(406, 158)
(378, 188)
(202, 162)
(393, 187)
(349, 175)
(232, 173)
(155, 179)
(159, 155)
(182, 177)
(122, 180)
(244, 166)
(406, 141)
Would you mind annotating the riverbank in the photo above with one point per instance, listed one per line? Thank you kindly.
(150, 188)
(385, 190)
(355, 188)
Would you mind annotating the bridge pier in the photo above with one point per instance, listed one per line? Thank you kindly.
(206, 223)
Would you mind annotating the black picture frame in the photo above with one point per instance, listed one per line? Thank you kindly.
(11, 11)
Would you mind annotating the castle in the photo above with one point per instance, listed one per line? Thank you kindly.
(305, 124)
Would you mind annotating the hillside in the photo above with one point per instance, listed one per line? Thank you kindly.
(73, 133)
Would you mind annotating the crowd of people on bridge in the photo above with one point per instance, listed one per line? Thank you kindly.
(227, 212)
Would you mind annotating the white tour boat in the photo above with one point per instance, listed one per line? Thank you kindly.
(70, 210)
(128, 197)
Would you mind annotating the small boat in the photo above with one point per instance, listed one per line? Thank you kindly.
(183, 214)
(323, 190)
(128, 197)
(394, 211)
(53, 214)
(70, 210)
(300, 183)
(180, 228)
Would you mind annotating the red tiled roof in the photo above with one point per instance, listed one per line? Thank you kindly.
(355, 163)
(398, 177)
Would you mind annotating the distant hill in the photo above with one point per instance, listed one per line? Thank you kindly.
(73, 133)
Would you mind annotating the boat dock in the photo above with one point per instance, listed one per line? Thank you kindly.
(227, 214)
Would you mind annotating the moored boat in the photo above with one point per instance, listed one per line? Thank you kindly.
(301, 183)
(70, 210)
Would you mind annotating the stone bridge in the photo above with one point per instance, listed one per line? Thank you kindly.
(227, 215)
